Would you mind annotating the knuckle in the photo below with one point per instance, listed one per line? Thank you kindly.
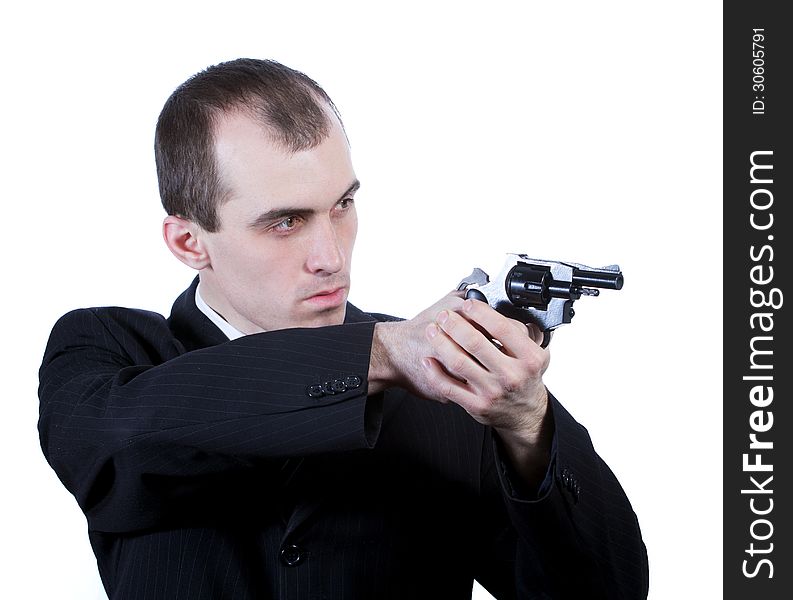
(476, 344)
(492, 395)
(511, 381)
(502, 329)
(535, 363)
(446, 391)
(481, 411)
(457, 364)
(489, 391)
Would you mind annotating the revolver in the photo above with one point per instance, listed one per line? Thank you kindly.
(540, 291)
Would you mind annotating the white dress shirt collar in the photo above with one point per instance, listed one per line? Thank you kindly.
(231, 332)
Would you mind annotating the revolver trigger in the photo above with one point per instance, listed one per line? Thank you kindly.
(477, 276)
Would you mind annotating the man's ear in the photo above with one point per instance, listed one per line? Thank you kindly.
(185, 240)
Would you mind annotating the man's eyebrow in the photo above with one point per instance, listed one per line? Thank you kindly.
(278, 214)
(351, 190)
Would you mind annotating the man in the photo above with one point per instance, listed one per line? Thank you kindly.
(270, 440)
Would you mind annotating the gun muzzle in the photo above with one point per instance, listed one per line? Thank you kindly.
(598, 279)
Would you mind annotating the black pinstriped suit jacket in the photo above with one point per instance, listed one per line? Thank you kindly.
(210, 468)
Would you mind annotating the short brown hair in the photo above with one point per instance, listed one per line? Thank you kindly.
(287, 103)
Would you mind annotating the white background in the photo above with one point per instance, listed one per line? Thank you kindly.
(584, 131)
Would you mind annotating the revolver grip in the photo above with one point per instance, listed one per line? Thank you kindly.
(546, 338)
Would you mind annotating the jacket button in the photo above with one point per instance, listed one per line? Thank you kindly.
(315, 391)
(352, 382)
(338, 386)
(291, 555)
(570, 483)
(566, 477)
(576, 489)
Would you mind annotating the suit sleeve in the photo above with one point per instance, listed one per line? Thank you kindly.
(580, 538)
(144, 434)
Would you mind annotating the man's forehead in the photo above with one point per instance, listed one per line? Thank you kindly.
(288, 138)
(236, 126)
(262, 175)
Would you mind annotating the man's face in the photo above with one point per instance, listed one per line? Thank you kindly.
(281, 257)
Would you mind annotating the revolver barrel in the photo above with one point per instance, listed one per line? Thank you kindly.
(598, 279)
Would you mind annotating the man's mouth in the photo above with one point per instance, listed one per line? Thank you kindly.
(328, 298)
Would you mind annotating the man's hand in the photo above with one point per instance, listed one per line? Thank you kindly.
(465, 352)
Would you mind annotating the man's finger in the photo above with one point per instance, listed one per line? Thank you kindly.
(455, 359)
(535, 333)
(515, 341)
(472, 339)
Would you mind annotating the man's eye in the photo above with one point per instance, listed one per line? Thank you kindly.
(286, 225)
(346, 203)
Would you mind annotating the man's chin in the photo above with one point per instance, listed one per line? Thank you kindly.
(323, 318)
(330, 317)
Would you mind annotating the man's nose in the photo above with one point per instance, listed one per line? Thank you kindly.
(325, 253)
